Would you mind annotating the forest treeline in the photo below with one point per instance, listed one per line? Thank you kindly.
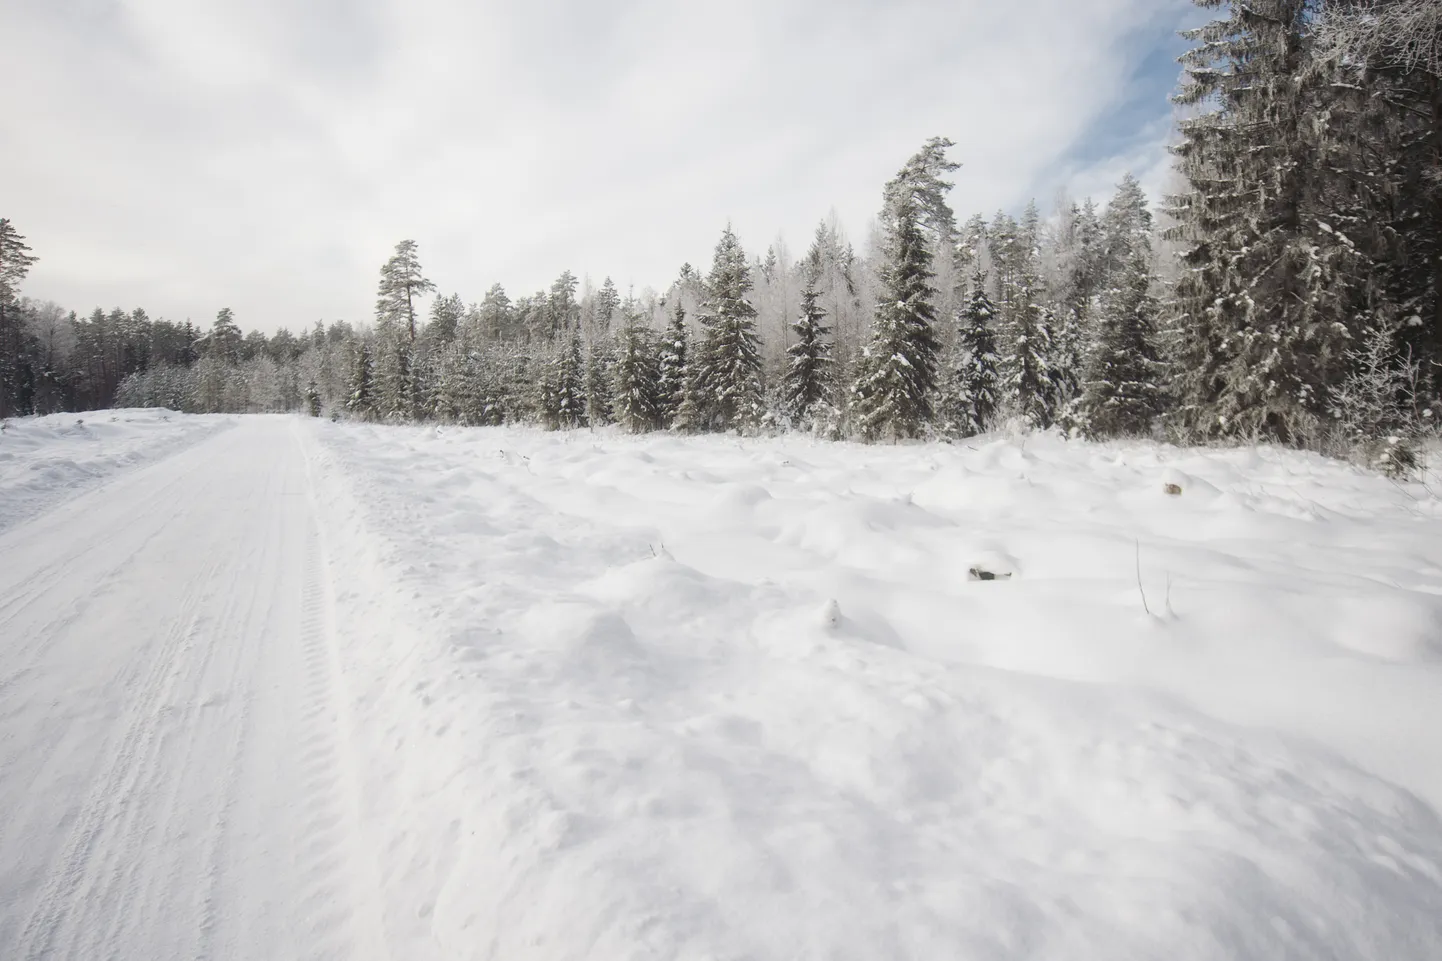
(1291, 291)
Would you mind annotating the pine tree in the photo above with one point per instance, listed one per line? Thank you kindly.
(972, 392)
(671, 383)
(728, 389)
(808, 380)
(225, 342)
(402, 283)
(897, 375)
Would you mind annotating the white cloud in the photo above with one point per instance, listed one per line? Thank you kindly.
(183, 155)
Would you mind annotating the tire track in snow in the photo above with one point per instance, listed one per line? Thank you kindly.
(192, 775)
(339, 866)
(60, 574)
(156, 671)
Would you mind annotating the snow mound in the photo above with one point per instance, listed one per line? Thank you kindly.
(47, 460)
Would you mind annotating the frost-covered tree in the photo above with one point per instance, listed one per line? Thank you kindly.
(1264, 296)
(570, 384)
(1122, 393)
(809, 371)
(638, 377)
(607, 301)
(16, 260)
(225, 342)
(728, 389)
(447, 313)
(600, 362)
(402, 283)
(973, 382)
(897, 375)
(671, 383)
(1025, 337)
(360, 399)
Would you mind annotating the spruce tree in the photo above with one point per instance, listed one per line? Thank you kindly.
(728, 389)
(394, 380)
(360, 396)
(897, 374)
(638, 377)
(671, 384)
(1264, 303)
(16, 260)
(570, 384)
(599, 364)
(972, 392)
(808, 380)
(1122, 392)
(446, 316)
(1122, 395)
(1026, 377)
(604, 308)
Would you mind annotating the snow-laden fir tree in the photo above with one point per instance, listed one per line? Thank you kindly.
(808, 384)
(607, 301)
(671, 384)
(727, 390)
(360, 397)
(600, 364)
(973, 382)
(897, 374)
(16, 259)
(638, 376)
(1078, 268)
(1026, 379)
(446, 316)
(1122, 389)
(570, 386)
(1123, 395)
(312, 399)
(1265, 296)
(394, 385)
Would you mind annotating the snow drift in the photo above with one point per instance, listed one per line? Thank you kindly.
(711, 698)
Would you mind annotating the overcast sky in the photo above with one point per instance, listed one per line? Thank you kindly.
(185, 155)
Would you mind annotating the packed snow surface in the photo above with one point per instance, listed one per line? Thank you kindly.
(306, 689)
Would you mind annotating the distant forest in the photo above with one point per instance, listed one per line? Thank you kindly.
(1291, 292)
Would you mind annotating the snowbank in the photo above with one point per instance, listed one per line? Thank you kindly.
(708, 698)
(46, 460)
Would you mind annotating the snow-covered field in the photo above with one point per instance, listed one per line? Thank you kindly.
(593, 696)
(44, 460)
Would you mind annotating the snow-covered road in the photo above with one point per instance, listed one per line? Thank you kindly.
(294, 689)
(175, 771)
